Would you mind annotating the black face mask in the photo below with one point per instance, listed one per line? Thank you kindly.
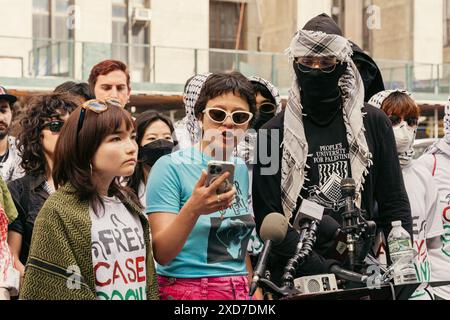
(150, 153)
(321, 95)
(318, 85)
(261, 119)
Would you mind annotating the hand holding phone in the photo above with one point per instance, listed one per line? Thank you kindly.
(215, 170)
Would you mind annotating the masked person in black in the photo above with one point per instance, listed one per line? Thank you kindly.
(325, 134)
(368, 69)
(155, 138)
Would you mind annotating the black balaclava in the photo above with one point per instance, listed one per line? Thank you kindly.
(320, 93)
(150, 153)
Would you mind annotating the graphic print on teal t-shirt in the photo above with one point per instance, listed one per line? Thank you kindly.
(218, 243)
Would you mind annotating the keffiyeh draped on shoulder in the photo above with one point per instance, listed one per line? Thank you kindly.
(295, 145)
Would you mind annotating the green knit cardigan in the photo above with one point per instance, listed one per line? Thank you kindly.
(61, 251)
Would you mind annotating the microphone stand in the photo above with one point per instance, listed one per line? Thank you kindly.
(305, 245)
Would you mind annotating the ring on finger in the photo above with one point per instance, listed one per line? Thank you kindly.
(218, 199)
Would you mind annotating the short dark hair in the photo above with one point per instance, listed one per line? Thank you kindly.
(143, 121)
(106, 67)
(80, 89)
(39, 110)
(219, 84)
(264, 91)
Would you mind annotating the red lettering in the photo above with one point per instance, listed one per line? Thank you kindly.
(116, 274)
(97, 281)
(446, 211)
(129, 266)
(139, 269)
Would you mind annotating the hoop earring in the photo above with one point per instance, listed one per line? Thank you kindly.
(90, 165)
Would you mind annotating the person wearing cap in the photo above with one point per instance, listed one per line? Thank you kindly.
(9, 156)
(326, 133)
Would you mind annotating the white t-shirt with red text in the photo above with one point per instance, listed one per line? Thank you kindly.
(118, 253)
(439, 166)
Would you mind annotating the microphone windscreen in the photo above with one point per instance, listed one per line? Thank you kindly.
(274, 228)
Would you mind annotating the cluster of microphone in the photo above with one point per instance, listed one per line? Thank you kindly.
(308, 222)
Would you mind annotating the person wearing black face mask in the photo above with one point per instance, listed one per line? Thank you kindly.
(325, 134)
(155, 138)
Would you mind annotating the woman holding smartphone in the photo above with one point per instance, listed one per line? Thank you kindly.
(200, 236)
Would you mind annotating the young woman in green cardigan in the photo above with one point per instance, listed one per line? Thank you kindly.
(90, 239)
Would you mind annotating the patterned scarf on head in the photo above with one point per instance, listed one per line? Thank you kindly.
(377, 101)
(190, 122)
(443, 145)
(246, 147)
(295, 145)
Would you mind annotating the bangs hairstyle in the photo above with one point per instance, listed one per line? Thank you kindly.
(264, 91)
(74, 153)
(402, 105)
(220, 84)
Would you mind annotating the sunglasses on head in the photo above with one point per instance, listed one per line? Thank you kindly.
(54, 126)
(97, 106)
(219, 116)
(396, 120)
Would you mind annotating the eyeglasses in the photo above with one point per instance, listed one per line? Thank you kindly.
(268, 108)
(308, 64)
(396, 120)
(97, 106)
(219, 116)
(54, 126)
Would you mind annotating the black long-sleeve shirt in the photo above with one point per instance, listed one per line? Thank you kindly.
(384, 197)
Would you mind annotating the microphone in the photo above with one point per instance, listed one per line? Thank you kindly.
(273, 231)
(309, 211)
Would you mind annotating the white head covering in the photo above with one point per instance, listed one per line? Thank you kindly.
(188, 130)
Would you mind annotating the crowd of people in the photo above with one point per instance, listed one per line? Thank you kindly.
(96, 204)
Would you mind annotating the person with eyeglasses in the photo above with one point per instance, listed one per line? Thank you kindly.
(437, 161)
(200, 237)
(325, 134)
(91, 240)
(40, 128)
(422, 190)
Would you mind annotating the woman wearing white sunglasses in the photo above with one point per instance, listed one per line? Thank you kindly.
(200, 237)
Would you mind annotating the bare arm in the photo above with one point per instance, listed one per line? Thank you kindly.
(170, 231)
(15, 244)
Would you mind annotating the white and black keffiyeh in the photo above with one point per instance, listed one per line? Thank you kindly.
(295, 145)
(377, 101)
(188, 128)
(444, 144)
(245, 149)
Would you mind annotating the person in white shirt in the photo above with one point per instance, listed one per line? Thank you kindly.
(437, 161)
(422, 190)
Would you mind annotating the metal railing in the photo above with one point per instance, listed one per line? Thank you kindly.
(53, 59)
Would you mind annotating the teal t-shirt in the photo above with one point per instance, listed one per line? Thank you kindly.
(217, 245)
